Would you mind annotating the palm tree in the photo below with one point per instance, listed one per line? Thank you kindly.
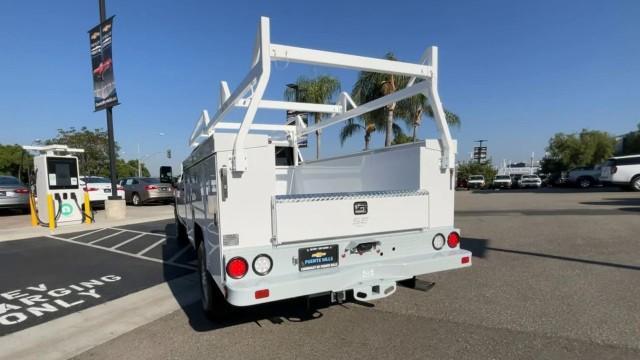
(371, 86)
(413, 108)
(319, 90)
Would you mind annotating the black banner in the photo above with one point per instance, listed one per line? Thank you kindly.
(104, 87)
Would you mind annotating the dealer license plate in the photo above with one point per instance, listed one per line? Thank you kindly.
(318, 257)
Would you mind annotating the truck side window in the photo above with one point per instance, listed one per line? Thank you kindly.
(284, 156)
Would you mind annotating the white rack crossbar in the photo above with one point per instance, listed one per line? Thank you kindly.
(249, 93)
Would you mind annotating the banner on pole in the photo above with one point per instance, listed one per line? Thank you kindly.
(104, 87)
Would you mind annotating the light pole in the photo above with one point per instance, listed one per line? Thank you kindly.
(138, 159)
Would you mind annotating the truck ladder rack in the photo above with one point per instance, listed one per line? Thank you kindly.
(249, 93)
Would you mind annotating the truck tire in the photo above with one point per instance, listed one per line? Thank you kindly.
(635, 183)
(214, 305)
(181, 233)
(585, 182)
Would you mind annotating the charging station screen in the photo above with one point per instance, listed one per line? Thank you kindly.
(62, 173)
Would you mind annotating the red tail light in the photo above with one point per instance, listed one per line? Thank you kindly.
(120, 188)
(150, 187)
(237, 268)
(91, 189)
(453, 239)
(21, 191)
(614, 169)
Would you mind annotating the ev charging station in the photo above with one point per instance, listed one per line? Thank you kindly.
(59, 195)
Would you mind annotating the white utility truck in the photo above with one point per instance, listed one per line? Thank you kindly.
(268, 225)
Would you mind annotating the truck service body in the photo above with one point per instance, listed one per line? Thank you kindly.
(269, 226)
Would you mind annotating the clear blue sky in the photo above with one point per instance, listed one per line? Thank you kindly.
(515, 71)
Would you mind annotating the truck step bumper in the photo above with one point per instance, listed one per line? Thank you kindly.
(372, 281)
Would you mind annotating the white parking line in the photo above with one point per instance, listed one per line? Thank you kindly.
(128, 241)
(106, 237)
(87, 233)
(139, 232)
(182, 251)
(152, 246)
(123, 253)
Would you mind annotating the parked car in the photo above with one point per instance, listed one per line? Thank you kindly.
(99, 188)
(14, 194)
(461, 184)
(584, 177)
(142, 190)
(527, 181)
(476, 182)
(502, 182)
(622, 171)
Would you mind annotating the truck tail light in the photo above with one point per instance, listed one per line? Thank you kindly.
(262, 264)
(237, 267)
(453, 239)
(120, 188)
(614, 169)
(150, 187)
(438, 241)
(21, 191)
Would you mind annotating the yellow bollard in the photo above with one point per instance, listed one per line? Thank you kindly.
(32, 211)
(52, 212)
(87, 208)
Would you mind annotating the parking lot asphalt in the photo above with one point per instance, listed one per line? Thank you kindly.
(555, 275)
(46, 278)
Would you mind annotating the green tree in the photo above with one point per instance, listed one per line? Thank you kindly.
(466, 169)
(130, 168)
(631, 143)
(370, 86)
(413, 109)
(95, 159)
(566, 151)
(14, 161)
(319, 90)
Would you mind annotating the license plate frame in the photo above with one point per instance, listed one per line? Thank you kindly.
(3, 193)
(107, 191)
(318, 257)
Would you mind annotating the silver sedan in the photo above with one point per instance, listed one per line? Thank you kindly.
(13, 194)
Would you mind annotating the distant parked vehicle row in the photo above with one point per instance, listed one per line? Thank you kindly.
(502, 182)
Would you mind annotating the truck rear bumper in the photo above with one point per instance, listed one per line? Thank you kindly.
(374, 280)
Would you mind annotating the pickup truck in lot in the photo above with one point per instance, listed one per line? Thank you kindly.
(584, 176)
(268, 225)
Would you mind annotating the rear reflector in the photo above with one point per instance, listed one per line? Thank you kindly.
(237, 268)
(453, 239)
(261, 294)
(465, 260)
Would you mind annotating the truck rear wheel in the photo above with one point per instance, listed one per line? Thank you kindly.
(214, 305)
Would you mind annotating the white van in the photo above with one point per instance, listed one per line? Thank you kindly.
(622, 171)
